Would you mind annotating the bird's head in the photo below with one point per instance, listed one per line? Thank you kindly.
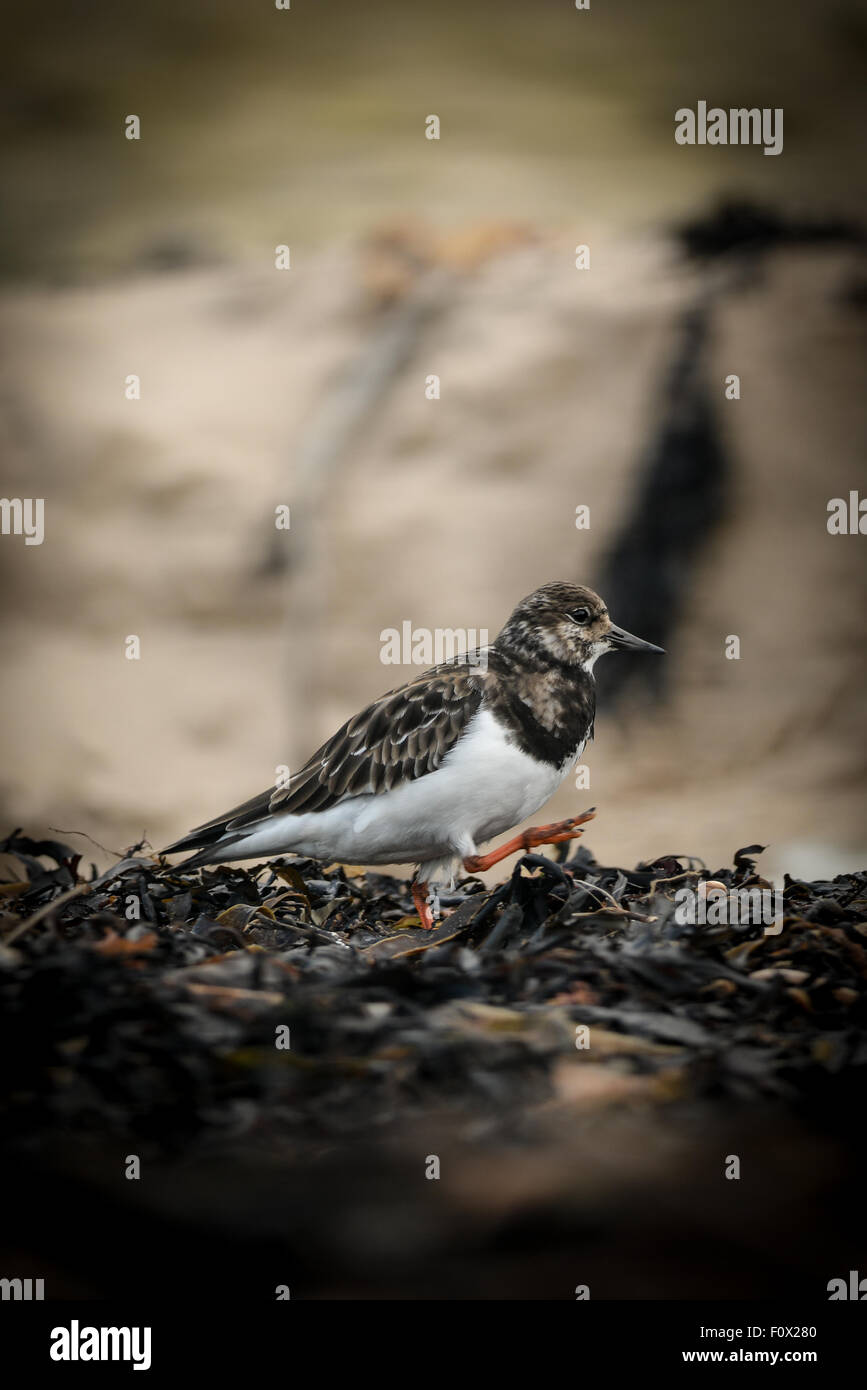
(568, 624)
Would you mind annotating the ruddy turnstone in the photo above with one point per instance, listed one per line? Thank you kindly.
(458, 755)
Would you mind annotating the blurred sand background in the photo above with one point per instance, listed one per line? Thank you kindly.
(306, 127)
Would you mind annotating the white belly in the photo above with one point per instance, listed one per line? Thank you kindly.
(485, 786)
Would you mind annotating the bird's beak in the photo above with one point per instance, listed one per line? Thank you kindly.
(627, 643)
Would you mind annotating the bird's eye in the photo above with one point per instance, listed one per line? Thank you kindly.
(581, 615)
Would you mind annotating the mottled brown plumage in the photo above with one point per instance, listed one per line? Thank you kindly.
(402, 735)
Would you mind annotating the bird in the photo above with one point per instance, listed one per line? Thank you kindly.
(436, 768)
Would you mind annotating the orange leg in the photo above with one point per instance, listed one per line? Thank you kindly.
(529, 839)
(422, 906)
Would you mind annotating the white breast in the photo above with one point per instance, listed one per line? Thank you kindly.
(484, 786)
(493, 783)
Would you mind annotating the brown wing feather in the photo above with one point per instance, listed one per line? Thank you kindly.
(401, 736)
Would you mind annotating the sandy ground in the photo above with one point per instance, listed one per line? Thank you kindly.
(156, 258)
(443, 513)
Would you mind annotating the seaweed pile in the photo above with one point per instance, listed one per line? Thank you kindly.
(291, 1060)
(297, 1001)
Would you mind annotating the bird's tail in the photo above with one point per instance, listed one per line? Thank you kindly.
(222, 838)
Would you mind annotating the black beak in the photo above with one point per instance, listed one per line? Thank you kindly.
(627, 643)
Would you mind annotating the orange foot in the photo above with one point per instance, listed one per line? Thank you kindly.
(422, 906)
(529, 839)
